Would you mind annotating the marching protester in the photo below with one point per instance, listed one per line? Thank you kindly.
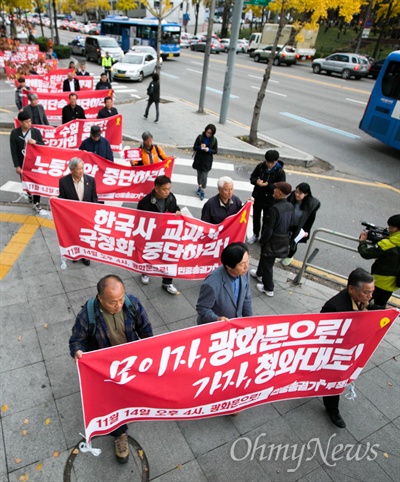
(50, 54)
(118, 318)
(263, 178)
(19, 138)
(36, 111)
(107, 63)
(78, 187)
(275, 238)
(71, 84)
(386, 268)
(108, 110)
(356, 297)
(103, 83)
(82, 72)
(72, 110)
(20, 91)
(305, 211)
(205, 146)
(160, 200)
(225, 293)
(153, 91)
(151, 153)
(223, 204)
(97, 144)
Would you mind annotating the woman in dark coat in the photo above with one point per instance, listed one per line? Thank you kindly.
(153, 91)
(205, 146)
(305, 210)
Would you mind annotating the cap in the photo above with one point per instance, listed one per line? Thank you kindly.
(285, 187)
(23, 116)
(32, 97)
(271, 155)
(21, 80)
(394, 221)
(95, 131)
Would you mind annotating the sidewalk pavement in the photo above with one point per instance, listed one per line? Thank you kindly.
(41, 416)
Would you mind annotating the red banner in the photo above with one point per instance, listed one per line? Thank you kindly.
(133, 154)
(53, 82)
(224, 367)
(156, 244)
(90, 100)
(43, 167)
(71, 134)
(41, 66)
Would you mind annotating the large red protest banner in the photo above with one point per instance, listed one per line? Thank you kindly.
(90, 100)
(41, 66)
(156, 244)
(224, 367)
(44, 166)
(71, 134)
(53, 81)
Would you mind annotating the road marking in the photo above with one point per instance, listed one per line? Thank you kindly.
(320, 126)
(261, 78)
(356, 101)
(220, 92)
(196, 63)
(195, 71)
(269, 91)
(164, 74)
(125, 91)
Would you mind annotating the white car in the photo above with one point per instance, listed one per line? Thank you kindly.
(135, 66)
(146, 49)
(243, 45)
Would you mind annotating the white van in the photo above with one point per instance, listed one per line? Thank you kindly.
(96, 47)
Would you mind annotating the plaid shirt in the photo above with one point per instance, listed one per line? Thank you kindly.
(134, 328)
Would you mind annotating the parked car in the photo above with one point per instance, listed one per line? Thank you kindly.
(225, 42)
(345, 64)
(135, 66)
(78, 46)
(284, 55)
(376, 68)
(186, 40)
(243, 44)
(200, 45)
(94, 29)
(146, 49)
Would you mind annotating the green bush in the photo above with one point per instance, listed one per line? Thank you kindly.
(62, 51)
(42, 42)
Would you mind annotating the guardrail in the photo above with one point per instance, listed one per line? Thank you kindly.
(309, 256)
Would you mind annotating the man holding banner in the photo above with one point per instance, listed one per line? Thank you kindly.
(97, 144)
(72, 110)
(112, 318)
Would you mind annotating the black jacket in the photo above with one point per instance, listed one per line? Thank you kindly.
(17, 144)
(203, 159)
(103, 113)
(149, 203)
(66, 87)
(309, 212)
(153, 91)
(69, 113)
(265, 195)
(275, 238)
(103, 85)
(68, 191)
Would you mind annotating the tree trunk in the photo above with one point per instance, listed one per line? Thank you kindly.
(385, 23)
(158, 67)
(196, 14)
(57, 37)
(261, 93)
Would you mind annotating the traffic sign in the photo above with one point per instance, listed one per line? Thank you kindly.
(261, 3)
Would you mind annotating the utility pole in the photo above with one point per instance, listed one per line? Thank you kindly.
(235, 29)
(206, 58)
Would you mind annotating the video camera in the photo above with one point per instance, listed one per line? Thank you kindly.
(375, 233)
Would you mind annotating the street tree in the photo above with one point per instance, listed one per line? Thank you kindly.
(40, 7)
(386, 12)
(126, 5)
(164, 9)
(310, 12)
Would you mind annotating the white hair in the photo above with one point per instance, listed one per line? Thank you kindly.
(224, 180)
(74, 162)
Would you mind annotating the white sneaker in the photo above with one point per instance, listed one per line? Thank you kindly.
(286, 261)
(170, 288)
(252, 240)
(260, 287)
(145, 279)
(278, 260)
(37, 207)
(253, 274)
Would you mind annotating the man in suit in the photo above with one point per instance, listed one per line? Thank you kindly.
(356, 297)
(225, 293)
(36, 111)
(71, 84)
(19, 138)
(78, 187)
(108, 110)
(72, 110)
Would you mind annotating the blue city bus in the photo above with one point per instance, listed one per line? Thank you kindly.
(143, 31)
(382, 115)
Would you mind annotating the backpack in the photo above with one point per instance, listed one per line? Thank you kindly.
(91, 313)
(150, 89)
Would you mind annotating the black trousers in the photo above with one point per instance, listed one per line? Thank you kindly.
(381, 297)
(119, 431)
(332, 404)
(265, 270)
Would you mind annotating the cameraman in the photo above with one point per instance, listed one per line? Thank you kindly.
(387, 264)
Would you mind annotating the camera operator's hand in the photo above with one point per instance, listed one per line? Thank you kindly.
(363, 236)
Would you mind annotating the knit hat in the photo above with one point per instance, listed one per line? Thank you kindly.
(285, 187)
(271, 155)
(95, 131)
(23, 116)
(394, 221)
